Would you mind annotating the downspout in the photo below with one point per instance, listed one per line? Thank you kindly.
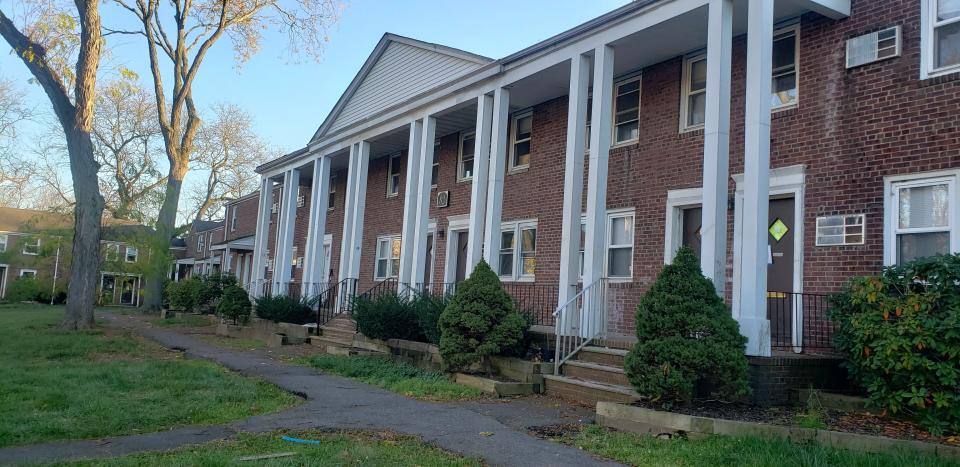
(56, 267)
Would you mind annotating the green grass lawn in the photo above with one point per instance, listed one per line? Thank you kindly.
(394, 376)
(73, 385)
(335, 449)
(185, 321)
(726, 451)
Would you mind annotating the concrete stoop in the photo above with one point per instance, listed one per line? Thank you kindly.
(594, 375)
(340, 337)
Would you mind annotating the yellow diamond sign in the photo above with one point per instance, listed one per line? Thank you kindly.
(778, 229)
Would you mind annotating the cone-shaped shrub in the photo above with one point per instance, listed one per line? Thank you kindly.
(480, 321)
(688, 343)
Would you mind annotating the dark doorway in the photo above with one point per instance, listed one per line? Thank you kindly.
(428, 264)
(780, 302)
(692, 220)
(462, 238)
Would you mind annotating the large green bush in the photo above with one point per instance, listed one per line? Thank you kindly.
(185, 295)
(387, 316)
(479, 322)
(212, 289)
(286, 309)
(688, 343)
(234, 304)
(23, 289)
(428, 307)
(900, 333)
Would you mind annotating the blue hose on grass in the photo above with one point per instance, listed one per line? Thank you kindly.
(298, 440)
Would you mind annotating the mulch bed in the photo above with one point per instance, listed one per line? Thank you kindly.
(863, 423)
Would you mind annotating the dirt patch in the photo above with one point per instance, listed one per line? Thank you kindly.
(557, 431)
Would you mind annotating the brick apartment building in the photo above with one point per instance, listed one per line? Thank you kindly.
(197, 255)
(582, 163)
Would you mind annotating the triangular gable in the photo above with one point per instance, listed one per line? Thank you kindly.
(398, 69)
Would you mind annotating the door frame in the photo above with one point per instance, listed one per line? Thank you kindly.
(3, 280)
(455, 225)
(785, 182)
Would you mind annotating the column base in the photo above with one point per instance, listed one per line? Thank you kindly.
(757, 332)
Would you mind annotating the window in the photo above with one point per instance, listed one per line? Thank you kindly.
(393, 175)
(620, 246)
(521, 129)
(31, 246)
(28, 273)
(200, 238)
(233, 219)
(3, 243)
(586, 134)
(694, 102)
(922, 218)
(132, 254)
(785, 52)
(332, 195)
(518, 250)
(942, 36)
(112, 252)
(626, 111)
(388, 257)
(465, 169)
(435, 170)
(840, 230)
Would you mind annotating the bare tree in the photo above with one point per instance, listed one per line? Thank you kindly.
(127, 146)
(15, 172)
(46, 42)
(227, 150)
(181, 36)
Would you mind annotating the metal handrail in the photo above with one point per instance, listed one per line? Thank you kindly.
(575, 297)
(590, 302)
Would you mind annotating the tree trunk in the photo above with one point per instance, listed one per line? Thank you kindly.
(88, 212)
(166, 225)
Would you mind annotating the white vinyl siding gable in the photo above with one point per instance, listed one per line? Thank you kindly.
(401, 72)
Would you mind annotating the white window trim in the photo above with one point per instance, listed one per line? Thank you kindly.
(611, 214)
(5, 243)
(613, 118)
(393, 191)
(32, 271)
(795, 29)
(112, 252)
(463, 136)
(436, 163)
(23, 248)
(928, 22)
(891, 211)
(377, 258)
(677, 201)
(863, 230)
(685, 91)
(233, 219)
(513, 139)
(331, 195)
(126, 255)
(517, 227)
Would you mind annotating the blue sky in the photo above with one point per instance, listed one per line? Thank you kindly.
(289, 100)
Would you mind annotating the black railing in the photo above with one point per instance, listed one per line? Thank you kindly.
(334, 300)
(384, 287)
(799, 322)
(437, 289)
(537, 300)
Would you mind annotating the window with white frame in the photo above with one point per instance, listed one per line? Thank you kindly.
(923, 223)
(465, 164)
(233, 219)
(785, 58)
(841, 230)
(694, 102)
(200, 240)
(28, 273)
(586, 133)
(31, 246)
(518, 250)
(388, 257)
(521, 129)
(942, 36)
(3, 243)
(112, 252)
(626, 111)
(332, 195)
(132, 254)
(619, 244)
(393, 175)
(435, 170)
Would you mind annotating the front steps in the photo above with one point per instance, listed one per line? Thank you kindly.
(594, 375)
(338, 337)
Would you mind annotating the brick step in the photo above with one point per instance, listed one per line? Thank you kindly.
(595, 372)
(587, 392)
(344, 324)
(337, 334)
(602, 355)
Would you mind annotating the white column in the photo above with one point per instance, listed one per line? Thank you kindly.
(600, 133)
(227, 261)
(349, 202)
(573, 177)
(260, 241)
(478, 187)
(363, 166)
(498, 161)
(410, 193)
(716, 144)
(756, 172)
(286, 227)
(419, 254)
(317, 225)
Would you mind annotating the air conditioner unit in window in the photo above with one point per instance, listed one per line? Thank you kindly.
(299, 262)
(443, 199)
(300, 200)
(274, 207)
(873, 47)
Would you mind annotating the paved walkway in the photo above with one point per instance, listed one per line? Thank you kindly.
(338, 403)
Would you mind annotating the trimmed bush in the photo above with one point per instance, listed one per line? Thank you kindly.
(234, 304)
(184, 295)
(24, 289)
(688, 343)
(900, 333)
(211, 291)
(386, 317)
(428, 308)
(286, 309)
(479, 322)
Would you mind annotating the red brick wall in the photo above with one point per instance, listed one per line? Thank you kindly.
(246, 217)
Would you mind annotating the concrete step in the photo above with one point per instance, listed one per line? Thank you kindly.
(339, 348)
(338, 334)
(588, 371)
(344, 324)
(587, 392)
(602, 355)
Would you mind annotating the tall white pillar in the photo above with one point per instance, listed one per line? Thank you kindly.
(360, 204)
(716, 144)
(410, 193)
(573, 177)
(227, 261)
(349, 202)
(419, 254)
(478, 187)
(498, 161)
(600, 133)
(285, 228)
(260, 240)
(756, 172)
(316, 227)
